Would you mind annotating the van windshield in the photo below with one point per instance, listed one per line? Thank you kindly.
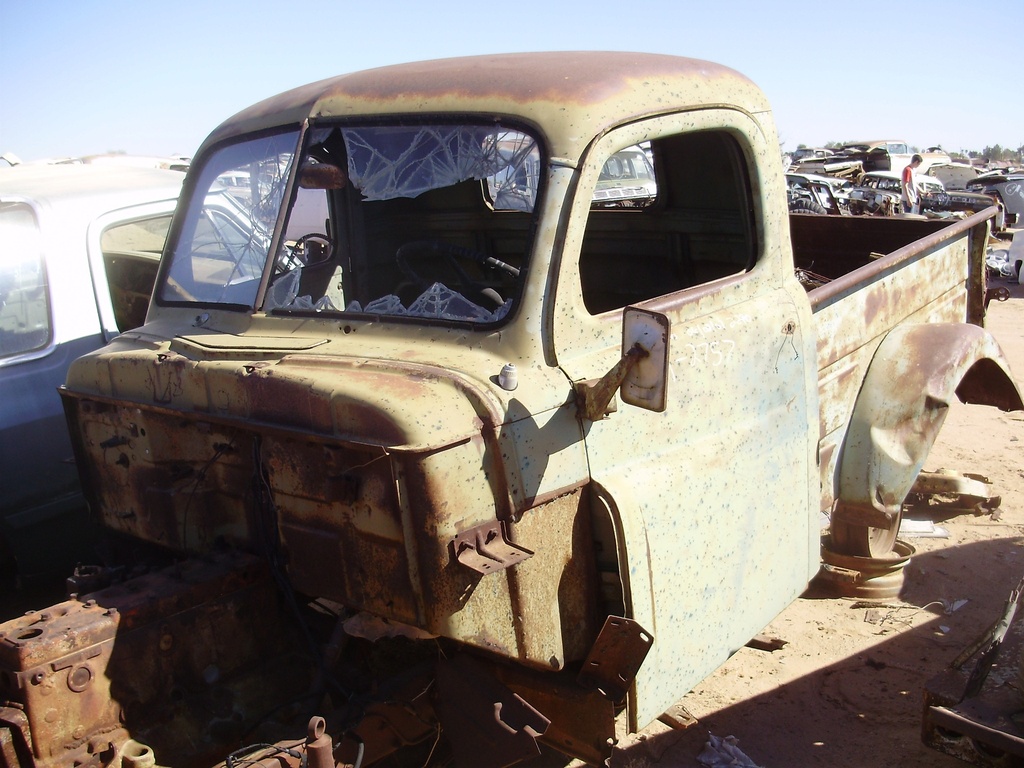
(411, 221)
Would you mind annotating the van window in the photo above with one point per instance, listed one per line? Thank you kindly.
(24, 298)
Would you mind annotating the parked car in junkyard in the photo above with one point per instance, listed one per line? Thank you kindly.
(1016, 257)
(803, 154)
(879, 193)
(835, 164)
(79, 249)
(953, 175)
(811, 193)
(876, 193)
(798, 159)
(938, 201)
(627, 180)
(1008, 188)
(889, 155)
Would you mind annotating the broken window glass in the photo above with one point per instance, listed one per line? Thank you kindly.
(223, 247)
(408, 220)
(406, 161)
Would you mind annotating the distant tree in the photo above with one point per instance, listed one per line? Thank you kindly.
(994, 154)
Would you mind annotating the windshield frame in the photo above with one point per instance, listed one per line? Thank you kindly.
(198, 188)
(193, 204)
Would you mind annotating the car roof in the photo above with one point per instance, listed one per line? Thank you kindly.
(570, 96)
(815, 177)
(95, 187)
(999, 177)
(873, 143)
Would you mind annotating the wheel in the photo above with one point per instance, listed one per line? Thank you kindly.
(862, 540)
(452, 255)
(803, 205)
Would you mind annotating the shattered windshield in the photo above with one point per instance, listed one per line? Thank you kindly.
(223, 247)
(412, 220)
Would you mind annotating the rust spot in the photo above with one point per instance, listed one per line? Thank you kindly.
(576, 77)
(468, 84)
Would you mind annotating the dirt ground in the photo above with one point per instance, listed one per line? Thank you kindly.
(846, 691)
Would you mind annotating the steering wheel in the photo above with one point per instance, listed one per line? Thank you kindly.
(452, 255)
(312, 248)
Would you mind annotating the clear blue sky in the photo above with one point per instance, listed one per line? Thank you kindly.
(147, 77)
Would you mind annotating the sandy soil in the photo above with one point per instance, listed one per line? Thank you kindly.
(846, 691)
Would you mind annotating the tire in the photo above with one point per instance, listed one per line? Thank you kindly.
(807, 206)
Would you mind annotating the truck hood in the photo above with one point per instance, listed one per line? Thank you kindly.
(398, 405)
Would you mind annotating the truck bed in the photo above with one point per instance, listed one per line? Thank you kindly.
(870, 275)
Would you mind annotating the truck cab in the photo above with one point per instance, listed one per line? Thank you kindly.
(348, 349)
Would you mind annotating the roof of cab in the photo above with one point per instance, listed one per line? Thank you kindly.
(571, 96)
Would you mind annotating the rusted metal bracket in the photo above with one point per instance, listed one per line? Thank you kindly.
(582, 720)
(616, 657)
(487, 724)
(999, 293)
(485, 548)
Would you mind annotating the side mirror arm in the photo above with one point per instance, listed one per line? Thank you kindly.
(593, 397)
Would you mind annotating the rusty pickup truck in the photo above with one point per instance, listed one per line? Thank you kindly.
(438, 459)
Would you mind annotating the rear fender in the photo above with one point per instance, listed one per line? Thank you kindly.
(903, 402)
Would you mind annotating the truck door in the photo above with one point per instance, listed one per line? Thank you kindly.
(714, 498)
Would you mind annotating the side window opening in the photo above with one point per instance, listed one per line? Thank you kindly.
(131, 256)
(694, 229)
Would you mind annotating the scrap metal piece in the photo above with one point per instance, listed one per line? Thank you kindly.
(950, 482)
(766, 643)
(487, 724)
(978, 735)
(975, 716)
(678, 718)
(999, 293)
(485, 548)
(91, 674)
(615, 657)
(582, 721)
(319, 747)
(990, 642)
(405, 718)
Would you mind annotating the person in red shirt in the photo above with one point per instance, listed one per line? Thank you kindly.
(911, 197)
